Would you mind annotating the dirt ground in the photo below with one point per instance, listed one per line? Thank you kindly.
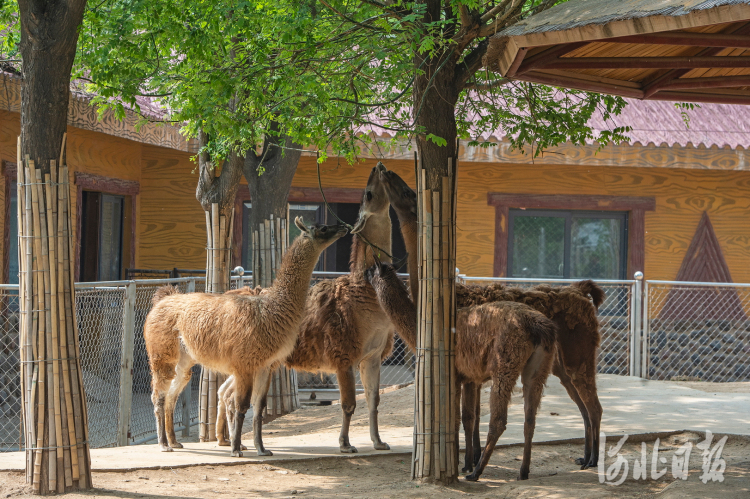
(553, 474)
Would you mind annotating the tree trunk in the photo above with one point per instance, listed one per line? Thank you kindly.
(435, 455)
(216, 193)
(269, 177)
(54, 404)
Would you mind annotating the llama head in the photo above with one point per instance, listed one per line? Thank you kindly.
(401, 196)
(374, 200)
(318, 235)
(380, 273)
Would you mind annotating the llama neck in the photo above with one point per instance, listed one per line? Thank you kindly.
(378, 232)
(293, 277)
(409, 233)
(395, 302)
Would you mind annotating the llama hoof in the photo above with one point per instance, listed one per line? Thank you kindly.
(265, 452)
(350, 449)
(237, 453)
(580, 461)
(242, 447)
(467, 469)
(176, 445)
(382, 446)
(472, 478)
(224, 443)
(523, 476)
(165, 448)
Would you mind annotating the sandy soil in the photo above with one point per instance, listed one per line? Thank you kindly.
(706, 386)
(553, 474)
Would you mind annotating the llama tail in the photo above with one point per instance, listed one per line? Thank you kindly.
(590, 288)
(163, 292)
(541, 329)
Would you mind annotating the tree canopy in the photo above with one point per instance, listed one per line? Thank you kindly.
(325, 72)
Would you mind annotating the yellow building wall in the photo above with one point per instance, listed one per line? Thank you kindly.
(681, 197)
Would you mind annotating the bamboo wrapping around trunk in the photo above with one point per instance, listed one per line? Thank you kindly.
(435, 455)
(270, 242)
(218, 257)
(54, 405)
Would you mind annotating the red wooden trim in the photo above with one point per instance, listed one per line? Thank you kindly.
(635, 206)
(710, 98)
(710, 82)
(571, 202)
(107, 185)
(333, 195)
(10, 169)
(501, 241)
(513, 69)
(688, 39)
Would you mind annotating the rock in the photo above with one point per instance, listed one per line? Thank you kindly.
(716, 345)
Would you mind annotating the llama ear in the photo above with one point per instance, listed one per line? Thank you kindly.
(301, 225)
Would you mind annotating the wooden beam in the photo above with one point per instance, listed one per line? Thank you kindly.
(542, 59)
(712, 82)
(723, 40)
(651, 87)
(589, 86)
(648, 62)
(517, 62)
(701, 97)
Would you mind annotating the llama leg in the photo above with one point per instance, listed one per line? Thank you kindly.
(370, 373)
(183, 374)
(261, 382)
(225, 411)
(468, 418)
(586, 387)
(534, 376)
(502, 388)
(477, 416)
(348, 404)
(158, 395)
(559, 371)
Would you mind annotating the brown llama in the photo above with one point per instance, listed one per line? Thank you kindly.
(344, 326)
(242, 336)
(499, 341)
(573, 308)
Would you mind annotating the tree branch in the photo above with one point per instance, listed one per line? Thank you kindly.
(490, 14)
(513, 11)
(474, 85)
(471, 63)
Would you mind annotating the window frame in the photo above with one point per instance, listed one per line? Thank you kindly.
(568, 216)
(635, 206)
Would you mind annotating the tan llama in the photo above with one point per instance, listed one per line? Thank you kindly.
(499, 341)
(245, 336)
(573, 309)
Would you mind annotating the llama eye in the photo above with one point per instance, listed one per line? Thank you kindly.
(323, 229)
(369, 196)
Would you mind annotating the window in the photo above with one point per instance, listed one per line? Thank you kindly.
(336, 257)
(567, 244)
(101, 236)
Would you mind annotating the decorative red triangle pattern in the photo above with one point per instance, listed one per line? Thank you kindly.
(704, 262)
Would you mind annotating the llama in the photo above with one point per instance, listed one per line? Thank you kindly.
(242, 336)
(344, 326)
(570, 307)
(498, 341)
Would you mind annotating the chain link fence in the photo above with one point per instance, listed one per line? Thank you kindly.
(697, 331)
(615, 316)
(10, 377)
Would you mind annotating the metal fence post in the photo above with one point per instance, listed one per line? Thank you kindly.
(187, 393)
(636, 331)
(646, 355)
(126, 365)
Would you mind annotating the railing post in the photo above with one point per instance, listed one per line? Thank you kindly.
(187, 393)
(646, 327)
(636, 331)
(126, 365)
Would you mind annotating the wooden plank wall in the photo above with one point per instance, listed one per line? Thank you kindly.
(170, 224)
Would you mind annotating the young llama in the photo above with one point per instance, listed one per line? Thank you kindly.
(344, 326)
(244, 336)
(570, 307)
(497, 341)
